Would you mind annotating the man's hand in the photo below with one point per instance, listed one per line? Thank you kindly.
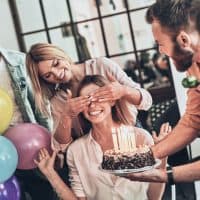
(154, 175)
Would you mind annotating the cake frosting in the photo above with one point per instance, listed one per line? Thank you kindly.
(139, 158)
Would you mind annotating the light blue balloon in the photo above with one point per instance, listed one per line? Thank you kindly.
(8, 159)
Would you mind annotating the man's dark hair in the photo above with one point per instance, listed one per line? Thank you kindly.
(195, 14)
(175, 15)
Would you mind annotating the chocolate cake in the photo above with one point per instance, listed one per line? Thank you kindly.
(139, 158)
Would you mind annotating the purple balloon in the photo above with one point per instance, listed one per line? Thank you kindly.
(10, 190)
(28, 139)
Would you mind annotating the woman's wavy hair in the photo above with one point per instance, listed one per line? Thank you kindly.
(42, 89)
(120, 111)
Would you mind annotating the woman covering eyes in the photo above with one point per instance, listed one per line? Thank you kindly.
(55, 79)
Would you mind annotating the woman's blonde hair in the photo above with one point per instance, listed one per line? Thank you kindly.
(120, 111)
(42, 89)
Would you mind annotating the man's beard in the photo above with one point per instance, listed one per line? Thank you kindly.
(182, 58)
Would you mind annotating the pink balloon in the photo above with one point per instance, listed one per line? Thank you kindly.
(28, 139)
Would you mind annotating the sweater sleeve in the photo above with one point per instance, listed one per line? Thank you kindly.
(113, 68)
(191, 117)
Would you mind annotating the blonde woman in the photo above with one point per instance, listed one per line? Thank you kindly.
(84, 156)
(55, 79)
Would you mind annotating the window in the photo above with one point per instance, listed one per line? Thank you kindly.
(92, 28)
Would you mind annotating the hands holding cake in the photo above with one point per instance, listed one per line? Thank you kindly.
(154, 174)
(127, 156)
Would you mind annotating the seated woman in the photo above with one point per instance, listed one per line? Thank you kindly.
(84, 156)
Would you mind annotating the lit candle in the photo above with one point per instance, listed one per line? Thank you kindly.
(114, 137)
(133, 143)
(126, 139)
(129, 141)
(123, 138)
(120, 140)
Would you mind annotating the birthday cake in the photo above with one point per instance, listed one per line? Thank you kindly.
(139, 158)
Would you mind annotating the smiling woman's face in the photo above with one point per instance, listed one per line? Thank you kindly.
(96, 112)
(55, 71)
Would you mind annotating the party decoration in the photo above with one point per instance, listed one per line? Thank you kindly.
(6, 110)
(190, 82)
(8, 159)
(29, 138)
(10, 190)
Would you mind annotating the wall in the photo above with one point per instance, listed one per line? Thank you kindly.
(7, 34)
